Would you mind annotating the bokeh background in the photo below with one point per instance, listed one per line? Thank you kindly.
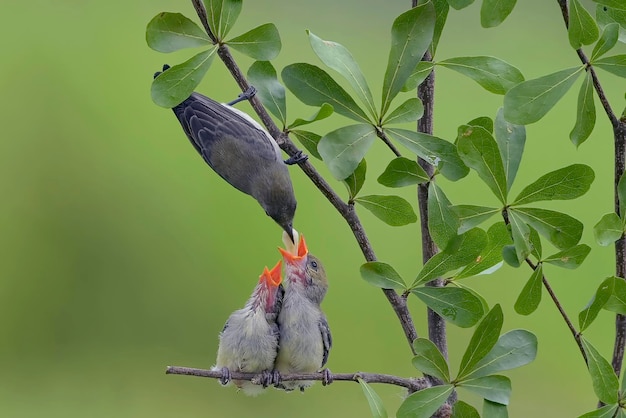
(121, 252)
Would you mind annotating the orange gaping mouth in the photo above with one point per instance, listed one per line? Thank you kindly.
(292, 253)
(272, 277)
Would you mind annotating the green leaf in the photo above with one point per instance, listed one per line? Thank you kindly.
(560, 229)
(484, 338)
(494, 388)
(322, 113)
(597, 302)
(393, 210)
(497, 237)
(261, 43)
(608, 230)
(337, 57)
(585, 113)
(535, 243)
(459, 4)
(493, 12)
(616, 4)
(442, 222)
(382, 275)
(514, 349)
(343, 149)
(607, 15)
(419, 74)
(403, 172)
(615, 64)
(409, 111)
(509, 255)
(479, 151)
(582, 29)
(464, 410)
(309, 140)
(603, 379)
(511, 140)
(314, 87)
(376, 404)
(617, 300)
(429, 360)
(494, 410)
(570, 258)
(530, 297)
(493, 74)
(168, 32)
(436, 151)
(606, 42)
(441, 15)
(456, 305)
(411, 35)
(262, 76)
(460, 251)
(607, 411)
(355, 181)
(470, 215)
(222, 15)
(521, 238)
(563, 184)
(483, 122)
(530, 100)
(424, 403)
(173, 86)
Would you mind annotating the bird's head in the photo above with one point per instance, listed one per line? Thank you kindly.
(303, 268)
(269, 291)
(282, 209)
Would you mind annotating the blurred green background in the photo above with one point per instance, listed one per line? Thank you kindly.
(123, 253)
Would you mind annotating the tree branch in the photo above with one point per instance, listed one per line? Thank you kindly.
(412, 384)
(382, 135)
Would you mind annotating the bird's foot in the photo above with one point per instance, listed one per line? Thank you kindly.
(327, 379)
(297, 158)
(266, 378)
(165, 68)
(277, 379)
(225, 376)
(246, 95)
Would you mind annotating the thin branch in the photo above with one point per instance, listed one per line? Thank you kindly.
(412, 384)
(382, 135)
(201, 11)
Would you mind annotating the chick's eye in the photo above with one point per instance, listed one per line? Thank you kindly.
(314, 264)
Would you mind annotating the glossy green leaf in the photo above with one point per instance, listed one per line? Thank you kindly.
(322, 113)
(606, 15)
(514, 349)
(168, 32)
(464, 410)
(261, 43)
(617, 300)
(615, 64)
(479, 151)
(442, 222)
(470, 216)
(494, 410)
(530, 296)
(530, 100)
(409, 111)
(606, 42)
(173, 86)
(608, 230)
(309, 140)
(535, 243)
(337, 57)
(560, 229)
(589, 314)
(393, 210)
(343, 149)
(484, 338)
(424, 403)
(436, 151)
(314, 87)
(563, 184)
(483, 122)
(497, 237)
(603, 379)
(511, 140)
(441, 16)
(585, 113)
(222, 15)
(582, 28)
(570, 258)
(509, 255)
(494, 388)
(376, 404)
(607, 411)
(403, 172)
(491, 73)
(456, 305)
(429, 360)
(615, 4)
(493, 12)
(382, 275)
(419, 74)
(262, 76)
(459, 4)
(460, 251)
(355, 181)
(411, 35)
(520, 232)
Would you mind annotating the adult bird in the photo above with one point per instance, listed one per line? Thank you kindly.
(237, 148)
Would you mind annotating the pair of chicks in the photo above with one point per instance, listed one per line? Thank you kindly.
(279, 331)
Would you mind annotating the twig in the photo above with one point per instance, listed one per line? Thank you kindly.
(412, 384)
(382, 135)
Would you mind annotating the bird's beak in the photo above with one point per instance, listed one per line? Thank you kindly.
(272, 278)
(293, 254)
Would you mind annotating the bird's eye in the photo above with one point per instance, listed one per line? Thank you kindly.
(314, 264)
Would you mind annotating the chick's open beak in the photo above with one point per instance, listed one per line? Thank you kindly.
(272, 278)
(292, 254)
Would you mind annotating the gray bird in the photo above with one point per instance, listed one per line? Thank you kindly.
(237, 148)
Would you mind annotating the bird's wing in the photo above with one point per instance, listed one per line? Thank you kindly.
(327, 338)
